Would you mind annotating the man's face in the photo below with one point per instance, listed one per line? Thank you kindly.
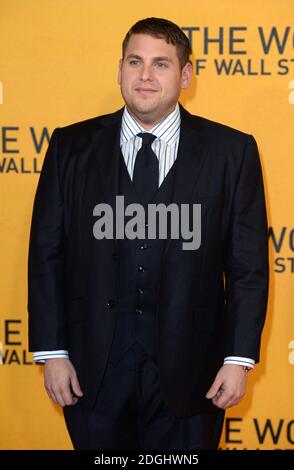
(150, 78)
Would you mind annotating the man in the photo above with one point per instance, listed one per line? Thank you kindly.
(146, 343)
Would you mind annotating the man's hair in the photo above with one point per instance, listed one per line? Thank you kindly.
(162, 29)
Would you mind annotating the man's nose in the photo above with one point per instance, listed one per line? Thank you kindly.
(146, 72)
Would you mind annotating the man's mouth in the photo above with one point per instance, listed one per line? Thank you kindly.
(145, 90)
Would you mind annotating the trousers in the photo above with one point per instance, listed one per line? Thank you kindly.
(130, 413)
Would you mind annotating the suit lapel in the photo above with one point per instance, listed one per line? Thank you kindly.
(191, 154)
(102, 176)
(107, 156)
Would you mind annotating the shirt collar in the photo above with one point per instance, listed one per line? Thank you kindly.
(167, 130)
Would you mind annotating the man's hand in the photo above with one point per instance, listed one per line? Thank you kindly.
(61, 381)
(229, 386)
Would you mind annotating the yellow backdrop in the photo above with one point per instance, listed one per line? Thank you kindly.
(58, 65)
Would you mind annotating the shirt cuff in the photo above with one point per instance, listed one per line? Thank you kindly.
(240, 361)
(41, 356)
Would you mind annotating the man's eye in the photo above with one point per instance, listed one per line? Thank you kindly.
(161, 65)
(134, 62)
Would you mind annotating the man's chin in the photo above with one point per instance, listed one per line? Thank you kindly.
(144, 108)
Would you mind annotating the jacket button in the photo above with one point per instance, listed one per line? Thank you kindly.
(138, 311)
(141, 269)
(110, 304)
(114, 256)
(143, 246)
(139, 290)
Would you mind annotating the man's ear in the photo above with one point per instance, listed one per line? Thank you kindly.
(119, 71)
(187, 75)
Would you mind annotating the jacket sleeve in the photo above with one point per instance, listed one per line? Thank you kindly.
(46, 306)
(246, 262)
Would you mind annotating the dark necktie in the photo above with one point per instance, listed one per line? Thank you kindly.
(146, 170)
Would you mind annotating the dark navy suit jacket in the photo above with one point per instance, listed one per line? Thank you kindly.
(212, 301)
